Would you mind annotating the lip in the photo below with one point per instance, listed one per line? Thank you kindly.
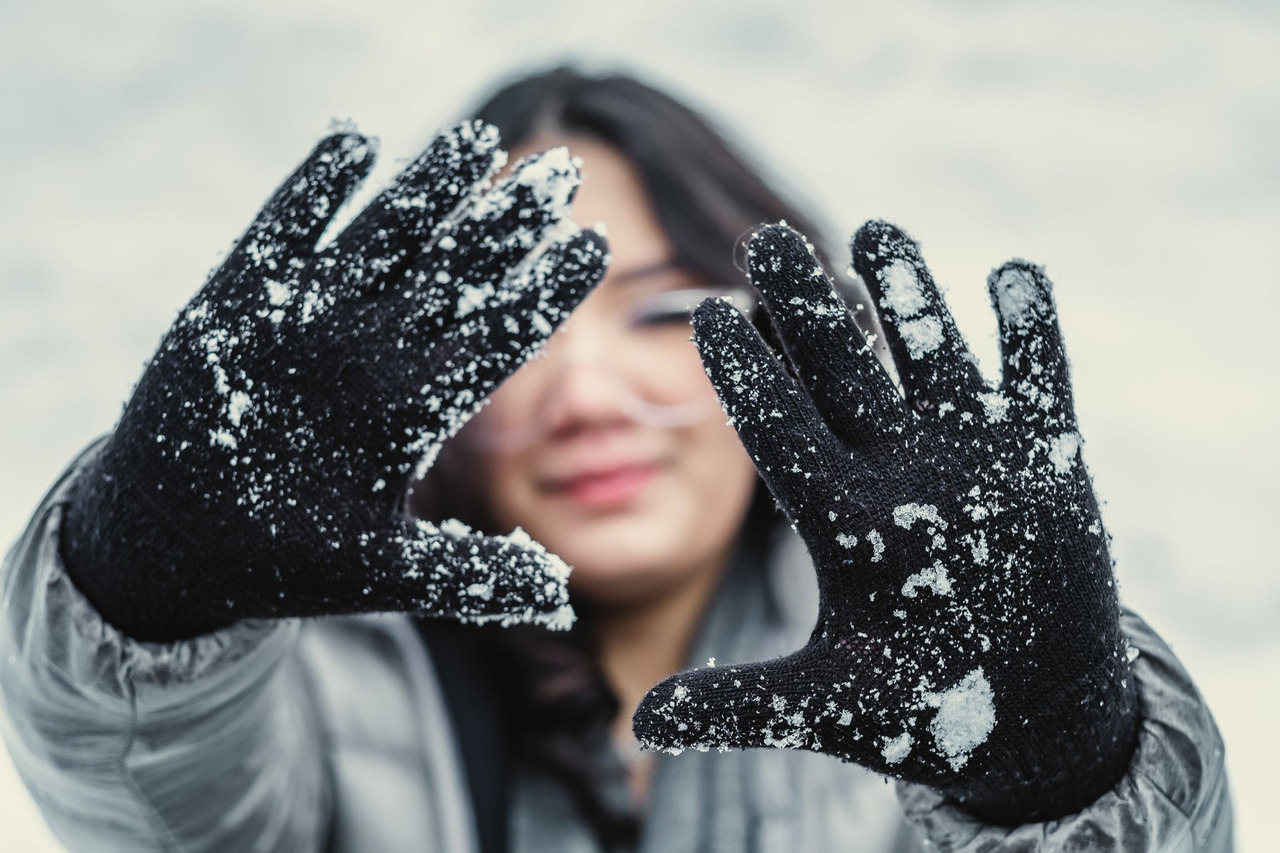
(605, 487)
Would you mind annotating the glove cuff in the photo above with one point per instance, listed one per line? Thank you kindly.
(1059, 771)
(118, 550)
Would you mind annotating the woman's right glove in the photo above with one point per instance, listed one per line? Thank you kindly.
(260, 467)
(968, 634)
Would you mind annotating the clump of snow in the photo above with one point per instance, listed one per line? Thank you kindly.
(1017, 296)
(922, 335)
(966, 716)
(551, 564)
(453, 527)
(520, 537)
(561, 619)
(908, 514)
(428, 458)
(1063, 450)
(933, 578)
(896, 749)
(237, 404)
(540, 324)
(996, 406)
(473, 297)
(877, 545)
(313, 302)
(277, 293)
(846, 541)
(546, 177)
(220, 437)
(901, 292)
(979, 548)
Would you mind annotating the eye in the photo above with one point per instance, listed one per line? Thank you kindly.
(675, 307)
(660, 315)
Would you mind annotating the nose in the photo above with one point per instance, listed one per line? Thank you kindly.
(584, 390)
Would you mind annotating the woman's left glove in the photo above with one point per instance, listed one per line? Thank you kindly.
(968, 635)
(260, 468)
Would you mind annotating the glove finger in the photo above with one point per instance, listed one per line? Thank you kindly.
(1033, 357)
(494, 341)
(807, 701)
(394, 227)
(292, 220)
(933, 361)
(774, 703)
(472, 254)
(444, 571)
(472, 578)
(527, 307)
(781, 429)
(827, 349)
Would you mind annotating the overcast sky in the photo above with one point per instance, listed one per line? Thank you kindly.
(1131, 148)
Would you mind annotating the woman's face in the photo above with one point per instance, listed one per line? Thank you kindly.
(610, 448)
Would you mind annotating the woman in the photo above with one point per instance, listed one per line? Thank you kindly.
(967, 640)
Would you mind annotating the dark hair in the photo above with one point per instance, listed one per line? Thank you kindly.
(707, 196)
(705, 193)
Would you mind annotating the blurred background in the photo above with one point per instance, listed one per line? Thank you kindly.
(1131, 148)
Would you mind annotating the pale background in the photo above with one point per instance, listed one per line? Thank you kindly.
(1130, 147)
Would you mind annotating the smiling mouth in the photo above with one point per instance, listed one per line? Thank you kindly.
(608, 488)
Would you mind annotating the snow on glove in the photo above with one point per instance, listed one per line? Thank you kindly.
(968, 635)
(259, 468)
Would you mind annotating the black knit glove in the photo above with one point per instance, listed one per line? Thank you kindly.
(968, 635)
(260, 467)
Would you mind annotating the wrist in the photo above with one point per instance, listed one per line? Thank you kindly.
(1047, 772)
(1174, 787)
(121, 554)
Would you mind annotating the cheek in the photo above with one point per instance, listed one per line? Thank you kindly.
(512, 403)
(718, 474)
(672, 372)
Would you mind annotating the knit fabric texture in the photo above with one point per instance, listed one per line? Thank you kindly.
(969, 628)
(259, 469)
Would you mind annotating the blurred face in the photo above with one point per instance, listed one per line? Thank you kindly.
(610, 448)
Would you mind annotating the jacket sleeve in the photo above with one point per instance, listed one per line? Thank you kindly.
(1174, 798)
(204, 744)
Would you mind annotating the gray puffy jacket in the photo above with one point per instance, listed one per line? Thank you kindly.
(333, 735)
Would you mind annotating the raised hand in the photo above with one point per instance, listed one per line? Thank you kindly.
(260, 467)
(968, 634)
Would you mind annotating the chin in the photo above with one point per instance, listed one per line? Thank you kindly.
(620, 586)
(619, 568)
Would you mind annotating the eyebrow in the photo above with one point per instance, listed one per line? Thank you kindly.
(655, 268)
